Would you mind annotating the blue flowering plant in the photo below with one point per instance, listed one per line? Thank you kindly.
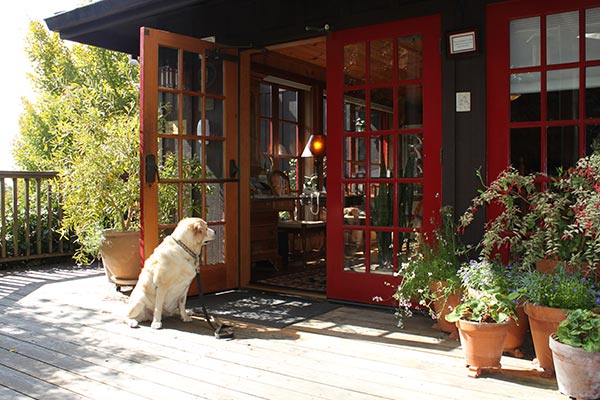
(487, 299)
(565, 289)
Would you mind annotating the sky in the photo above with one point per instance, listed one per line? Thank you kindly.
(15, 65)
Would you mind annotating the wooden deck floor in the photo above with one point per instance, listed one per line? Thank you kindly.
(62, 337)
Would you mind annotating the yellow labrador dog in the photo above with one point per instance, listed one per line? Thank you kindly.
(167, 274)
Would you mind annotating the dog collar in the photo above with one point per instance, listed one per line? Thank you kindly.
(195, 256)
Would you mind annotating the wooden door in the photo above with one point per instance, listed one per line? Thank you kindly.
(383, 160)
(189, 149)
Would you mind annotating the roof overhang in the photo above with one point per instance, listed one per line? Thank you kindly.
(115, 24)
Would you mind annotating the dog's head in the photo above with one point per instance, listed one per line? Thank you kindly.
(194, 232)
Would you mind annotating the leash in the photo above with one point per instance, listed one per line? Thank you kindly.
(220, 330)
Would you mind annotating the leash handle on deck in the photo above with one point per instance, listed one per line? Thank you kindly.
(221, 331)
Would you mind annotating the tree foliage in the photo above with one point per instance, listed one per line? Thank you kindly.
(84, 125)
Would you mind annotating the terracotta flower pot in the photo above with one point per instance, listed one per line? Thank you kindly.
(577, 370)
(443, 307)
(482, 344)
(120, 252)
(517, 332)
(543, 321)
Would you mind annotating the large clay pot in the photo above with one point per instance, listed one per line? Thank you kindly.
(120, 252)
(543, 321)
(517, 332)
(482, 344)
(443, 307)
(577, 370)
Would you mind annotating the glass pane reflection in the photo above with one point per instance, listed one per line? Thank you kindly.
(525, 150)
(592, 34)
(410, 106)
(168, 211)
(381, 61)
(382, 109)
(525, 98)
(168, 113)
(563, 94)
(382, 253)
(525, 42)
(410, 156)
(410, 57)
(168, 61)
(354, 251)
(410, 205)
(562, 38)
(382, 198)
(563, 148)
(354, 64)
(354, 111)
(192, 71)
(215, 250)
(167, 158)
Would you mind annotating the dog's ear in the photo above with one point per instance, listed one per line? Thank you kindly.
(200, 227)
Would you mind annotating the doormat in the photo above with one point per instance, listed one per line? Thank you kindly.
(313, 279)
(269, 309)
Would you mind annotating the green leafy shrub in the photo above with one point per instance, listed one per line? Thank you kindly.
(581, 329)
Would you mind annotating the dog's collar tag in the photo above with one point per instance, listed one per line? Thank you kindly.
(195, 256)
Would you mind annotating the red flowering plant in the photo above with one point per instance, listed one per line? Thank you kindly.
(559, 222)
(511, 195)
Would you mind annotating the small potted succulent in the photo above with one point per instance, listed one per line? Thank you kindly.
(576, 352)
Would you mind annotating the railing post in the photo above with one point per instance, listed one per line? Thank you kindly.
(27, 219)
(3, 211)
(50, 217)
(15, 217)
(38, 210)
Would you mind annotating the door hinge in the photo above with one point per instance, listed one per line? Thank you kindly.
(219, 54)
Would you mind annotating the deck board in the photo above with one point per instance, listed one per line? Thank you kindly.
(62, 335)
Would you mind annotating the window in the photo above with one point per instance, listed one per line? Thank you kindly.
(554, 96)
(279, 130)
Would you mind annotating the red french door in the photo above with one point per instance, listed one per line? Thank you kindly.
(543, 74)
(383, 160)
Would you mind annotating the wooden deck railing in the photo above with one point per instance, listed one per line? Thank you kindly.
(30, 215)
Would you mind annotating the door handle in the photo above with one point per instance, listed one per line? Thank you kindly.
(151, 168)
(233, 169)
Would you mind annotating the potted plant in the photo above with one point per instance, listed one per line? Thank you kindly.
(491, 275)
(429, 277)
(100, 192)
(576, 352)
(482, 319)
(549, 297)
(559, 223)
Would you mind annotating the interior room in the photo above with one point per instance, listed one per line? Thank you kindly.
(288, 166)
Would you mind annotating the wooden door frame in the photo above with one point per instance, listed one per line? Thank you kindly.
(148, 146)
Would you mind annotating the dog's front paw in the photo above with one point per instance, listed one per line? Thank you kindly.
(156, 325)
(187, 316)
(133, 323)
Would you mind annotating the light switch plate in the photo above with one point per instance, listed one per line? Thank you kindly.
(463, 101)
